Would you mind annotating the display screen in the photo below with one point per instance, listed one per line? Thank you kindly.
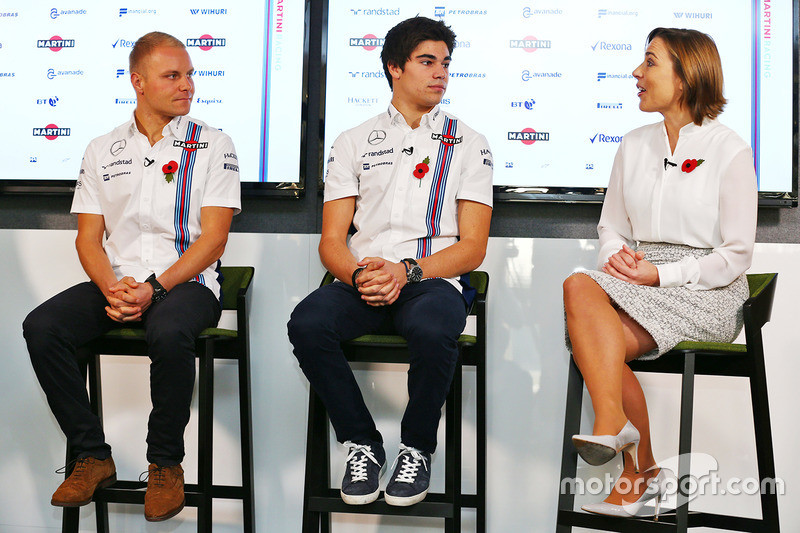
(65, 80)
(550, 84)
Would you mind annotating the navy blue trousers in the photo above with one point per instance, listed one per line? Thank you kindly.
(430, 315)
(56, 329)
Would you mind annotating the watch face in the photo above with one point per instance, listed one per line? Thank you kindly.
(414, 274)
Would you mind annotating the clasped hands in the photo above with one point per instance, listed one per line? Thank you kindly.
(128, 300)
(380, 281)
(630, 266)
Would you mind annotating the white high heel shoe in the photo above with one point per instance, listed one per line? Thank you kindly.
(600, 449)
(656, 488)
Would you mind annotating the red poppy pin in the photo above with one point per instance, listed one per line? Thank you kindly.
(421, 169)
(691, 164)
(169, 171)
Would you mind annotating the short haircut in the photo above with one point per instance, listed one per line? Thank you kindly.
(696, 62)
(401, 40)
(146, 44)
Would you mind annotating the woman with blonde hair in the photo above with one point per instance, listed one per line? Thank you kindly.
(676, 236)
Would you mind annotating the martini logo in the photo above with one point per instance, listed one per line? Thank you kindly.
(51, 132)
(368, 42)
(446, 139)
(528, 136)
(55, 43)
(205, 42)
(190, 146)
(530, 44)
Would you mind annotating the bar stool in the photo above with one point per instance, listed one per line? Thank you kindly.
(212, 344)
(319, 499)
(690, 359)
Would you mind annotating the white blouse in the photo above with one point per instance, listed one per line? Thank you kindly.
(712, 206)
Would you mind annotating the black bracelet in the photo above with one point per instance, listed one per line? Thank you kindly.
(356, 272)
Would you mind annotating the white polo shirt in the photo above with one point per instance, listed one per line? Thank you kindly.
(399, 215)
(149, 221)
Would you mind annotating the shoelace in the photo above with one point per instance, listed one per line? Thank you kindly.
(158, 476)
(410, 466)
(80, 467)
(358, 465)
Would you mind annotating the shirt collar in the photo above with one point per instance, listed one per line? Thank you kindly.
(431, 119)
(691, 128)
(175, 127)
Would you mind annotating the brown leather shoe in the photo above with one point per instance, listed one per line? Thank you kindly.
(165, 497)
(88, 475)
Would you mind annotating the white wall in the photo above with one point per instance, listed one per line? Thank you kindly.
(527, 369)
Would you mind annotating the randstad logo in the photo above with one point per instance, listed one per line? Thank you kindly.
(206, 42)
(51, 132)
(368, 42)
(55, 43)
(530, 44)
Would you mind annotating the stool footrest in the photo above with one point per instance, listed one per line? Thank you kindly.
(666, 522)
(134, 491)
(434, 505)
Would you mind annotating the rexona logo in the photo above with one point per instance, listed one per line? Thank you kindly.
(602, 138)
(528, 136)
(603, 46)
(51, 132)
(55, 43)
(205, 42)
(530, 44)
(368, 42)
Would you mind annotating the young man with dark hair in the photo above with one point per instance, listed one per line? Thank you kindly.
(416, 183)
(154, 199)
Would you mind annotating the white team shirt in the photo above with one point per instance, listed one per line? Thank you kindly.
(714, 206)
(149, 222)
(398, 215)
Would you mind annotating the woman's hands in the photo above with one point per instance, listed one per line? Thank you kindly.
(630, 266)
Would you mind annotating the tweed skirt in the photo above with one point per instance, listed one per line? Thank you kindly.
(675, 314)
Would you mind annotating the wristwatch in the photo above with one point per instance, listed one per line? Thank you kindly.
(159, 292)
(413, 270)
(356, 272)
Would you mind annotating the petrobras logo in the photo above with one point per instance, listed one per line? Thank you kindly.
(7, 74)
(122, 43)
(528, 136)
(53, 73)
(530, 43)
(467, 74)
(602, 138)
(368, 42)
(439, 11)
(524, 104)
(380, 12)
(124, 101)
(616, 13)
(127, 11)
(55, 43)
(466, 12)
(609, 105)
(694, 15)
(604, 46)
(52, 101)
(206, 42)
(375, 74)
(528, 12)
(612, 76)
(213, 11)
(362, 101)
(8, 14)
(209, 101)
(527, 75)
(55, 13)
(209, 73)
(51, 132)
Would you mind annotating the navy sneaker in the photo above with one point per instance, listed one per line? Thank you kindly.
(411, 477)
(365, 466)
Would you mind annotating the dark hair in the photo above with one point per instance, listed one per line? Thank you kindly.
(696, 62)
(401, 40)
(146, 44)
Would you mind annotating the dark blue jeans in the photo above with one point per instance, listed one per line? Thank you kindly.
(430, 315)
(56, 329)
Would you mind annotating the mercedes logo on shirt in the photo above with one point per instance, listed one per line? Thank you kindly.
(376, 137)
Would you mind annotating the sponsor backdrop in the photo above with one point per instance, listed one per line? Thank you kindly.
(550, 83)
(64, 78)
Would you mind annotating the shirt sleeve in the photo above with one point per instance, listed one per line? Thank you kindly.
(614, 228)
(476, 173)
(738, 211)
(341, 178)
(86, 198)
(223, 188)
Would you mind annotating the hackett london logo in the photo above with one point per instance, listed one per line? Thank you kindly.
(55, 43)
(368, 42)
(51, 132)
(206, 42)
